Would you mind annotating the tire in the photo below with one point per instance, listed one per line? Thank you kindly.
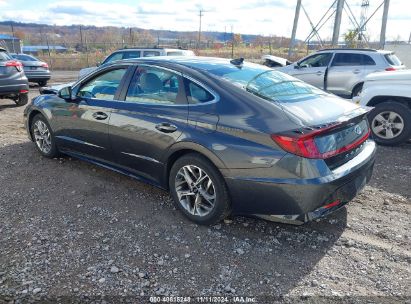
(357, 90)
(390, 115)
(22, 100)
(42, 83)
(209, 211)
(36, 131)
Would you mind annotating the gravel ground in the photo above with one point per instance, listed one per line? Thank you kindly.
(77, 232)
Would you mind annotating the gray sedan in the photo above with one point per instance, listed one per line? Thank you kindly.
(35, 70)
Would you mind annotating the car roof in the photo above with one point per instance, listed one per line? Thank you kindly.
(187, 61)
(351, 50)
(153, 48)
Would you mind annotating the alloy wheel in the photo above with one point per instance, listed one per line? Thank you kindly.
(387, 125)
(42, 136)
(195, 190)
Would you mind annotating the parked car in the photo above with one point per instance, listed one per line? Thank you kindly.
(390, 94)
(223, 136)
(35, 69)
(137, 53)
(342, 71)
(13, 82)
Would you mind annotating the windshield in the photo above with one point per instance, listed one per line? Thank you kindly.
(265, 82)
(4, 56)
(24, 57)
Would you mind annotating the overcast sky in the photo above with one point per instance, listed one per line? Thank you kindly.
(265, 17)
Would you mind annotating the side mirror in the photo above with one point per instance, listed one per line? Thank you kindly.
(297, 65)
(98, 63)
(65, 93)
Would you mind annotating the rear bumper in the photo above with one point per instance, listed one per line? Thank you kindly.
(36, 76)
(300, 200)
(14, 88)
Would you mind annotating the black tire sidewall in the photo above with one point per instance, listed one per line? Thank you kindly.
(22, 100)
(401, 110)
(54, 151)
(222, 203)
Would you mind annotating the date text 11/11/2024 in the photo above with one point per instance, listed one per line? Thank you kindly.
(202, 299)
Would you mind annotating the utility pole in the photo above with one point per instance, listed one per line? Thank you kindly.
(81, 38)
(199, 30)
(295, 25)
(384, 23)
(337, 22)
(12, 40)
(131, 37)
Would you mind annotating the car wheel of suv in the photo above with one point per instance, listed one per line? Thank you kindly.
(43, 136)
(22, 100)
(390, 123)
(199, 190)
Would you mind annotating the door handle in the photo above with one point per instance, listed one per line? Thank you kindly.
(356, 71)
(100, 115)
(166, 127)
(319, 73)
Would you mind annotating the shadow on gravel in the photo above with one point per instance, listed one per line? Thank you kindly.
(84, 216)
(8, 105)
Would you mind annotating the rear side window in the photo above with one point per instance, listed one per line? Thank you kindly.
(350, 59)
(4, 56)
(392, 59)
(198, 94)
(131, 54)
(151, 53)
(154, 86)
(104, 86)
(319, 60)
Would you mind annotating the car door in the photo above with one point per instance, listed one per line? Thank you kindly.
(313, 69)
(83, 123)
(151, 118)
(346, 70)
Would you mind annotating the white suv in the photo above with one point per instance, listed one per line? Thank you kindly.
(342, 71)
(390, 94)
(136, 53)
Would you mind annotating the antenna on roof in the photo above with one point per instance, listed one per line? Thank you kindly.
(237, 61)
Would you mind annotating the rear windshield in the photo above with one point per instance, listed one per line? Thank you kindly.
(25, 57)
(392, 59)
(4, 56)
(265, 82)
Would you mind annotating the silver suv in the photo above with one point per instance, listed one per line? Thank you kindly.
(342, 71)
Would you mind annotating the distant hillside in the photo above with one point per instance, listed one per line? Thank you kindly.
(73, 35)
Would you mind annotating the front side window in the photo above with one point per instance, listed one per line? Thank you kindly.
(114, 57)
(316, 61)
(151, 53)
(104, 86)
(153, 85)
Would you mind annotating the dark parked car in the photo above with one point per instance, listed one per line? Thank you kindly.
(35, 69)
(223, 136)
(13, 82)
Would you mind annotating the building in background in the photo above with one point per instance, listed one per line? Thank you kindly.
(41, 49)
(10, 43)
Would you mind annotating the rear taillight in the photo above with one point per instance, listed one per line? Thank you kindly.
(16, 64)
(45, 65)
(305, 145)
(390, 69)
